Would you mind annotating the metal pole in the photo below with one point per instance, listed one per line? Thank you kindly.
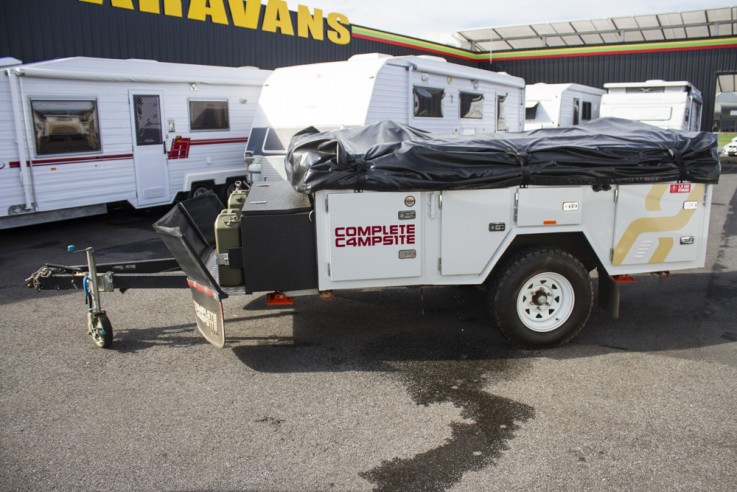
(93, 287)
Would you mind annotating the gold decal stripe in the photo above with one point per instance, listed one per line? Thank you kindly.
(665, 245)
(653, 224)
(652, 202)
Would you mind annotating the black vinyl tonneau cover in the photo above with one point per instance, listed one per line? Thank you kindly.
(388, 156)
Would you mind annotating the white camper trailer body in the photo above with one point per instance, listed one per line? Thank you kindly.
(425, 92)
(556, 105)
(669, 105)
(92, 131)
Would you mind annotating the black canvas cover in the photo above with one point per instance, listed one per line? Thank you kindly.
(388, 156)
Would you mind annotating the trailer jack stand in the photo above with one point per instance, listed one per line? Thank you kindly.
(98, 324)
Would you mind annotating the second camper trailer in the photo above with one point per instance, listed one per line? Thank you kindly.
(556, 105)
(669, 105)
(425, 92)
(80, 133)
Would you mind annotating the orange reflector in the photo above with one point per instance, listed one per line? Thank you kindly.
(624, 279)
(278, 299)
(550, 222)
(53, 169)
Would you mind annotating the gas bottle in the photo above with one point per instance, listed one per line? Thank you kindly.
(228, 235)
(238, 197)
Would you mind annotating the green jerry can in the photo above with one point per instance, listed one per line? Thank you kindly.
(228, 235)
(238, 197)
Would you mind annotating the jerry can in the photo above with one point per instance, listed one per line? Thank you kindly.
(228, 235)
(238, 197)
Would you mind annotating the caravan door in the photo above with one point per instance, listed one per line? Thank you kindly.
(149, 150)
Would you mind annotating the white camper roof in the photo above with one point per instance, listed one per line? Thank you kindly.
(135, 70)
(648, 83)
(343, 90)
(541, 89)
(371, 63)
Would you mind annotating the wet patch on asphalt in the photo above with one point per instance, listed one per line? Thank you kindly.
(454, 371)
(722, 285)
(439, 344)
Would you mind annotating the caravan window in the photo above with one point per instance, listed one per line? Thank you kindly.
(501, 123)
(65, 127)
(472, 105)
(576, 111)
(428, 102)
(586, 111)
(208, 115)
(277, 139)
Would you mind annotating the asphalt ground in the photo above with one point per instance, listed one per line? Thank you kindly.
(394, 389)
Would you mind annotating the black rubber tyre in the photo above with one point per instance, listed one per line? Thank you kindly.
(541, 297)
(199, 189)
(102, 331)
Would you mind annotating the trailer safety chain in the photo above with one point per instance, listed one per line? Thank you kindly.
(34, 281)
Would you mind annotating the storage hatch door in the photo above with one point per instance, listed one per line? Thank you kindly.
(374, 235)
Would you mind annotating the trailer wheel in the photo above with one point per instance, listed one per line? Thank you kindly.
(199, 189)
(102, 331)
(541, 297)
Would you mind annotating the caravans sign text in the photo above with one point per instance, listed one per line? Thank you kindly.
(247, 14)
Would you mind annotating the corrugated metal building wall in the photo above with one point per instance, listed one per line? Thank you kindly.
(35, 30)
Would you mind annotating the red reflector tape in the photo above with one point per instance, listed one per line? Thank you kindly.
(202, 288)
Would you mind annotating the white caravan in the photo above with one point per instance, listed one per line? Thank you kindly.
(669, 105)
(555, 105)
(425, 92)
(79, 133)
